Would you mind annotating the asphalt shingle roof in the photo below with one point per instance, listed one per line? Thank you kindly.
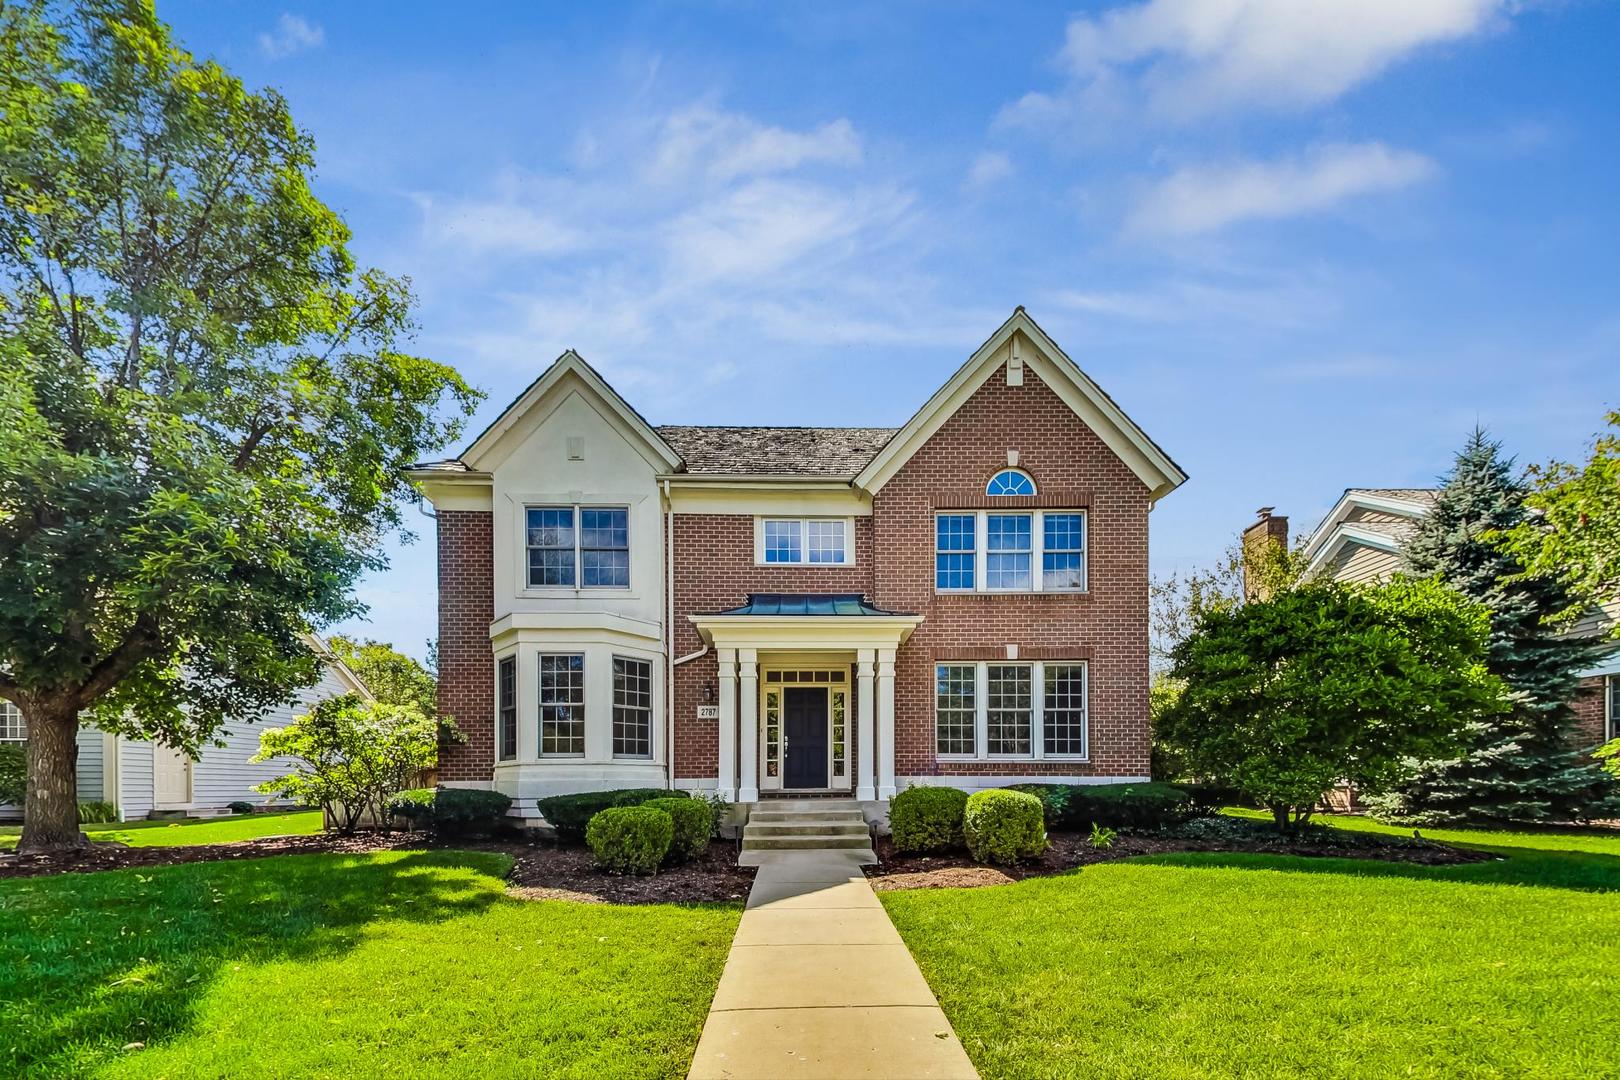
(775, 451)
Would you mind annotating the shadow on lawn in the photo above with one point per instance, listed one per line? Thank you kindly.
(89, 962)
(1572, 870)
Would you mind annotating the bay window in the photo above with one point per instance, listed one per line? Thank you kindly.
(506, 703)
(995, 551)
(632, 708)
(562, 705)
(996, 710)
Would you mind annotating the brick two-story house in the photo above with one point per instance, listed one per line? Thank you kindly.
(960, 600)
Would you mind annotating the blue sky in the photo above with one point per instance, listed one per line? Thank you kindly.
(1307, 244)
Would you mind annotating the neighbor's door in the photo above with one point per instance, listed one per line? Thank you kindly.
(806, 728)
(171, 776)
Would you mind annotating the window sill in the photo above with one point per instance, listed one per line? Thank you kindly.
(1071, 594)
(624, 593)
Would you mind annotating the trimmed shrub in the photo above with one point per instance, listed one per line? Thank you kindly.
(1078, 807)
(630, 839)
(450, 811)
(1209, 796)
(13, 772)
(1004, 826)
(693, 823)
(927, 819)
(97, 813)
(569, 814)
(240, 806)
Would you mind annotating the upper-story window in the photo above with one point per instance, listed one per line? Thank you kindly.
(574, 547)
(805, 542)
(1010, 482)
(993, 551)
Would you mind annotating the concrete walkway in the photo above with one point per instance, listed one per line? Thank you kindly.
(818, 984)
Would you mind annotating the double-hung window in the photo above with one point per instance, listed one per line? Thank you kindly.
(13, 728)
(562, 705)
(995, 710)
(573, 547)
(506, 703)
(1000, 551)
(805, 542)
(632, 708)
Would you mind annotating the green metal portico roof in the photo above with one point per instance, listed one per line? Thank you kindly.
(807, 604)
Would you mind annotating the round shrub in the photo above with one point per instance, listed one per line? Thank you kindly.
(240, 806)
(1003, 826)
(568, 814)
(693, 821)
(630, 839)
(413, 805)
(927, 819)
(450, 811)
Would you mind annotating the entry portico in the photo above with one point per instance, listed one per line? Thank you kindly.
(786, 719)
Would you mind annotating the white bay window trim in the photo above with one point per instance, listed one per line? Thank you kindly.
(1037, 550)
(1037, 709)
(806, 528)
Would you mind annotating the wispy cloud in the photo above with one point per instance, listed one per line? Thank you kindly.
(728, 145)
(1177, 61)
(292, 34)
(1204, 198)
(988, 169)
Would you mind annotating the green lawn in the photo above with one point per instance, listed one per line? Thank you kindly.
(408, 963)
(209, 831)
(1222, 965)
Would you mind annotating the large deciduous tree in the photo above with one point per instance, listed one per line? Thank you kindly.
(1289, 695)
(205, 407)
(1523, 764)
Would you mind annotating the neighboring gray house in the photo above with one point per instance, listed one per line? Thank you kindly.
(142, 778)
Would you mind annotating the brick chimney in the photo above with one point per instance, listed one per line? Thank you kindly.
(1267, 529)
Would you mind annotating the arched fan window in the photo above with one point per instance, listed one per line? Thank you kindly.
(1010, 482)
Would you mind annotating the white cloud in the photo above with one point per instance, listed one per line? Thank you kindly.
(726, 146)
(1204, 198)
(988, 169)
(482, 227)
(1182, 60)
(293, 34)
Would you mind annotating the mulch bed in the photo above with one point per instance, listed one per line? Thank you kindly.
(1071, 850)
(540, 870)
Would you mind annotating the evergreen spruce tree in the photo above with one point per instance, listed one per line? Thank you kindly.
(1522, 764)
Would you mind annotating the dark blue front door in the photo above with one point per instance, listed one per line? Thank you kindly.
(806, 727)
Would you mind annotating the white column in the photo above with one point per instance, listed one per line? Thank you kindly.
(866, 718)
(885, 717)
(528, 702)
(748, 687)
(727, 775)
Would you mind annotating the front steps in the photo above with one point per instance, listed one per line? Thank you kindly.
(807, 825)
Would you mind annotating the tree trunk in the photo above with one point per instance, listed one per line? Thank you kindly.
(1279, 816)
(51, 811)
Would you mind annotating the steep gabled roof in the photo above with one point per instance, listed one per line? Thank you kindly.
(1334, 531)
(1119, 432)
(775, 451)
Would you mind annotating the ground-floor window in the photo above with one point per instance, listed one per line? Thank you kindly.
(991, 709)
(562, 704)
(13, 728)
(632, 708)
(1611, 716)
(507, 704)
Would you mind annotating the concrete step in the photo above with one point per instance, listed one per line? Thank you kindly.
(807, 842)
(807, 804)
(854, 817)
(806, 828)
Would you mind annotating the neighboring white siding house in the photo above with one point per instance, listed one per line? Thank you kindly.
(138, 776)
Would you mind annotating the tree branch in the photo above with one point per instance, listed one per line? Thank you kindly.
(136, 647)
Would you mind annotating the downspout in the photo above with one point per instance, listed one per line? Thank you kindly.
(669, 640)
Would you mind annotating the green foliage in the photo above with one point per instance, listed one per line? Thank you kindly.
(353, 755)
(693, 822)
(1164, 763)
(927, 819)
(1003, 826)
(1134, 806)
(1574, 533)
(1287, 696)
(95, 812)
(1102, 839)
(450, 811)
(391, 676)
(569, 814)
(240, 806)
(1608, 755)
(630, 839)
(13, 772)
(1523, 763)
(1179, 601)
(718, 809)
(206, 408)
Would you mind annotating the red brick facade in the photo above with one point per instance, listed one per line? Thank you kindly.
(1589, 708)
(466, 663)
(1106, 625)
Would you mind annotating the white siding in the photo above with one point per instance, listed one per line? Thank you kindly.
(134, 779)
(222, 775)
(91, 786)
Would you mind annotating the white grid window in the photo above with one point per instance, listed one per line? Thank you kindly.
(562, 704)
(805, 542)
(994, 551)
(578, 547)
(13, 728)
(954, 709)
(507, 705)
(994, 710)
(632, 708)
